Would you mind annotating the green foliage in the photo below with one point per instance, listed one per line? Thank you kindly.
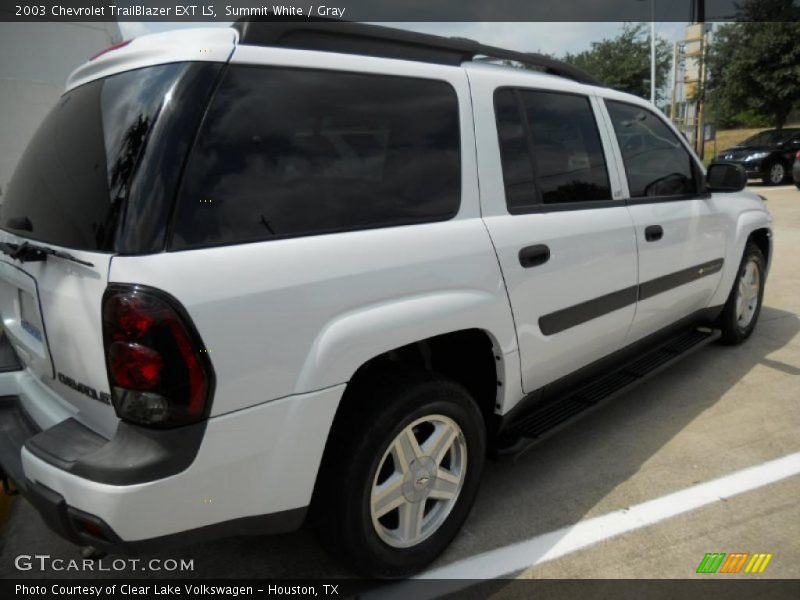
(754, 73)
(767, 10)
(748, 119)
(623, 62)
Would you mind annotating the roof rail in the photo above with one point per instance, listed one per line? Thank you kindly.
(386, 42)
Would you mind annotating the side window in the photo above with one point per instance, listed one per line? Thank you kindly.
(570, 165)
(551, 149)
(518, 176)
(291, 152)
(656, 162)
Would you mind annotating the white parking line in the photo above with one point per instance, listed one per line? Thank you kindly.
(566, 540)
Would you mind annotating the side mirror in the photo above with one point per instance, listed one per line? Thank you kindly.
(725, 177)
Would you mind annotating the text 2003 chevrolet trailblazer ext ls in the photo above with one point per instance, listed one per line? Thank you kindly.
(285, 268)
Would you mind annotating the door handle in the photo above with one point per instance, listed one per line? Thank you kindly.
(653, 233)
(533, 256)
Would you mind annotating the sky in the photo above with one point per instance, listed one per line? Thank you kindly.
(550, 38)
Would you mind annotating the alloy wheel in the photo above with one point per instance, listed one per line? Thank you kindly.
(747, 294)
(418, 481)
(777, 173)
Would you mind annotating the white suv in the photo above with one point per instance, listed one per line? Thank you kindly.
(285, 268)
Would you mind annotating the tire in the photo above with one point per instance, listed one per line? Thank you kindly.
(361, 456)
(738, 321)
(774, 174)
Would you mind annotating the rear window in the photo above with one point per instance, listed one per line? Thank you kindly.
(293, 152)
(72, 182)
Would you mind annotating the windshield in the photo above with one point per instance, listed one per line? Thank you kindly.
(772, 137)
(72, 182)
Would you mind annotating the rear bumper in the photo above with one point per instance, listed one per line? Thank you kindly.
(248, 475)
(15, 429)
(84, 528)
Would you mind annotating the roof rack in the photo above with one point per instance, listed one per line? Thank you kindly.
(385, 42)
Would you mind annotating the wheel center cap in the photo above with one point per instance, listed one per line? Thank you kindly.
(419, 479)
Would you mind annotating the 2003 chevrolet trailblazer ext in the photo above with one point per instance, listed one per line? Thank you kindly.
(278, 269)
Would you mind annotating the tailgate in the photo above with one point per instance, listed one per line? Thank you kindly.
(51, 316)
(97, 179)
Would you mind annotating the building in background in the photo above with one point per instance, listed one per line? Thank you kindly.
(37, 59)
(688, 84)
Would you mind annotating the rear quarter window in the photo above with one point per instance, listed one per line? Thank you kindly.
(293, 152)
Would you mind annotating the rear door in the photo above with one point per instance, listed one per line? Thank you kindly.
(565, 244)
(681, 238)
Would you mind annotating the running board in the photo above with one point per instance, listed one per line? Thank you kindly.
(554, 414)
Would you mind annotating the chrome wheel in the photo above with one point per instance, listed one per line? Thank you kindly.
(418, 481)
(777, 173)
(747, 294)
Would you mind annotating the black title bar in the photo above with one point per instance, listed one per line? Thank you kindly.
(404, 10)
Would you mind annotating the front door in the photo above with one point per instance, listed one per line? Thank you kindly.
(681, 239)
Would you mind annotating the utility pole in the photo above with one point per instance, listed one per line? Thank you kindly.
(701, 90)
(673, 99)
(699, 10)
(653, 52)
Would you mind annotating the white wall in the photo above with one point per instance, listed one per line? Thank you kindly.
(37, 58)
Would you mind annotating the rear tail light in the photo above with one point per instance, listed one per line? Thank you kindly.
(797, 156)
(157, 365)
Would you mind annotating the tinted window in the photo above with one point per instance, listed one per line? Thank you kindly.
(515, 151)
(570, 165)
(568, 160)
(289, 152)
(72, 182)
(656, 162)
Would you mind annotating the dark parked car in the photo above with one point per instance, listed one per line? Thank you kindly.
(768, 155)
(796, 170)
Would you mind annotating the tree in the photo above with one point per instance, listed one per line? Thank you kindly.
(623, 62)
(754, 69)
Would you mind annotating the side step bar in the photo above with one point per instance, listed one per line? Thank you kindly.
(554, 414)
